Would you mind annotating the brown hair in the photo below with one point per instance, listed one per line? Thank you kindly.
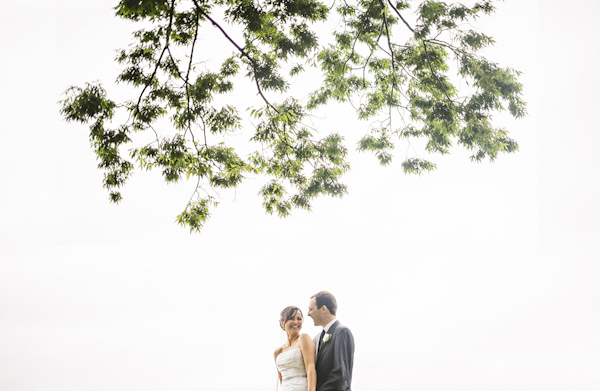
(287, 314)
(325, 298)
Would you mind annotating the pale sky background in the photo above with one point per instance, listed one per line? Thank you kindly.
(474, 277)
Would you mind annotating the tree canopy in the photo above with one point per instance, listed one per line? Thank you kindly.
(418, 78)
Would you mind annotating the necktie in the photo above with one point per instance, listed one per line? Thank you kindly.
(321, 339)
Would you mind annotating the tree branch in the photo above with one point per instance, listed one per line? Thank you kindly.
(387, 32)
(187, 90)
(242, 51)
(168, 34)
(435, 74)
(398, 13)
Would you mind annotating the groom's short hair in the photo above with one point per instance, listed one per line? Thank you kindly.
(325, 298)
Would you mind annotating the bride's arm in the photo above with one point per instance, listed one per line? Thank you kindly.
(308, 353)
(277, 352)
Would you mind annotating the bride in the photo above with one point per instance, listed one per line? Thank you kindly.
(295, 360)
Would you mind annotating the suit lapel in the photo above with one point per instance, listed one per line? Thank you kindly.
(316, 340)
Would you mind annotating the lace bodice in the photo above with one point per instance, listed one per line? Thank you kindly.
(293, 373)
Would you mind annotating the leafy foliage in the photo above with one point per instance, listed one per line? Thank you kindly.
(394, 72)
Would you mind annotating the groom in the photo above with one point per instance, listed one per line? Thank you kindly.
(335, 345)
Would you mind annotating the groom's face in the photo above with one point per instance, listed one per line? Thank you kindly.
(314, 313)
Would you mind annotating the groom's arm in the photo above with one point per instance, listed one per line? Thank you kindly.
(343, 358)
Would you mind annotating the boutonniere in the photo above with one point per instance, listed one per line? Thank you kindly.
(326, 338)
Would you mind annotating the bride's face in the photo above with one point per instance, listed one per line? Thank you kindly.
(293, 325)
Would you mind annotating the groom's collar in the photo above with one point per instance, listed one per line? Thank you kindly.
(328, 326)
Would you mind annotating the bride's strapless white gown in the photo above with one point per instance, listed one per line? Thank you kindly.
(293, 373)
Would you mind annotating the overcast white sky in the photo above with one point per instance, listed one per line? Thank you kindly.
(474, 277)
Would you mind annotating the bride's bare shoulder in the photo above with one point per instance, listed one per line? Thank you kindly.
(305, 338)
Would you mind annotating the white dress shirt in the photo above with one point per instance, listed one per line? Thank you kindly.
(328, 326)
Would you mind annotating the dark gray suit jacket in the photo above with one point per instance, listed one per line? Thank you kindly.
(335, 359)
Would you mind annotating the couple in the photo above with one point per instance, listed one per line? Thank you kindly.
(324, 364)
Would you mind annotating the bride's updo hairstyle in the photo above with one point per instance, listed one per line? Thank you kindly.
(287, 314)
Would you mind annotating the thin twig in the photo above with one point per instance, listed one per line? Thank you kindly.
(358, 34)
(175, 64)
(372, 51)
